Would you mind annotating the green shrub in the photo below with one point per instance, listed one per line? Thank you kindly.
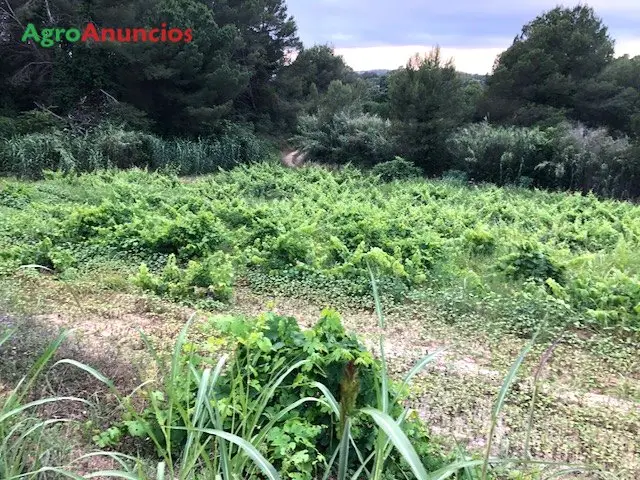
(46, 254)
(501, 155)
(592, 160)
(530, 261)
(480, 241)
(14, 195)
(118, 148)
(8, 128)
(275, 365)
(396, 169)
(37, 121)
(611, 301)
(562, 156)
(362, 139)
(212, 278)
(29, 155)
(108, 146)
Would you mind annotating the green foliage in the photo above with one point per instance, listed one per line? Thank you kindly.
(211, 278)
(14, 195)
(396, 169)
(363, 139)
(592, 160)
(262, 416)
(37, 121)
(427, 102)
(30, 154)
(327, 349)
(566, 157)
(28, 443)
(550, 60)
(301, 84)
(528, 261)
(46, 254)
(501, 155)
(312, 232)
(480, 240)
(275, 366)
(613, 299)
(612, 99)
(7, 128)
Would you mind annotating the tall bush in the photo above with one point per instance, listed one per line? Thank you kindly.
(568, 157)
(427, 102)
(592, 160)
(360, 138)
(501, 155)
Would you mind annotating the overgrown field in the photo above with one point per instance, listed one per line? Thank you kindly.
(528, 258)
(475, 268)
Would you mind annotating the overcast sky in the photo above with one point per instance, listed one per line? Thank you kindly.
(373, 34)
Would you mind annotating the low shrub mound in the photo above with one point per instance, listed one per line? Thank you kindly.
(279, 389)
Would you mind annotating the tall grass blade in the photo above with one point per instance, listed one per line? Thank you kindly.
(6, 336)
(399, 440)
(160, 472)
(497, 408)
(335, 407)
(331, 462)
(384, 394)
(113, 474)
(59, 471)
(417, 368)
(454, 468)
(343, 462)
(333, 403)
(249, 449)
(545, 358)
(38, 366)
(197, 419)
(86, 368)
(18, 410)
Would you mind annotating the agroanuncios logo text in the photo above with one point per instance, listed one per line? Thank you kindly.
(48, 37)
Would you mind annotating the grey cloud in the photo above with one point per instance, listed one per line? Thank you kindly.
(460, 23)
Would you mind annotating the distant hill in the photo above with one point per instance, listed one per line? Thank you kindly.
(381, 73)
(473, 77)
(371, 73)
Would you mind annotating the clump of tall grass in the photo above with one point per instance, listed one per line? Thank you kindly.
(109, 146)
(24, 449)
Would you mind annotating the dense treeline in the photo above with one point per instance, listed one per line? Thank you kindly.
(558, 110)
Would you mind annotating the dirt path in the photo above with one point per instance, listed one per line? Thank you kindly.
(577, 418)
(292, 158)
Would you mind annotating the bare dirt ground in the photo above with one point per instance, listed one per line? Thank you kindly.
(581, 416)
(292, 158)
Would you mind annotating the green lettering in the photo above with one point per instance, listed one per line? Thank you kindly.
(31, 33)
(73, 35)
(47, 37)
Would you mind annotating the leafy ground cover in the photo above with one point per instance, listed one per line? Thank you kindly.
(570, 259)
(474, 268)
